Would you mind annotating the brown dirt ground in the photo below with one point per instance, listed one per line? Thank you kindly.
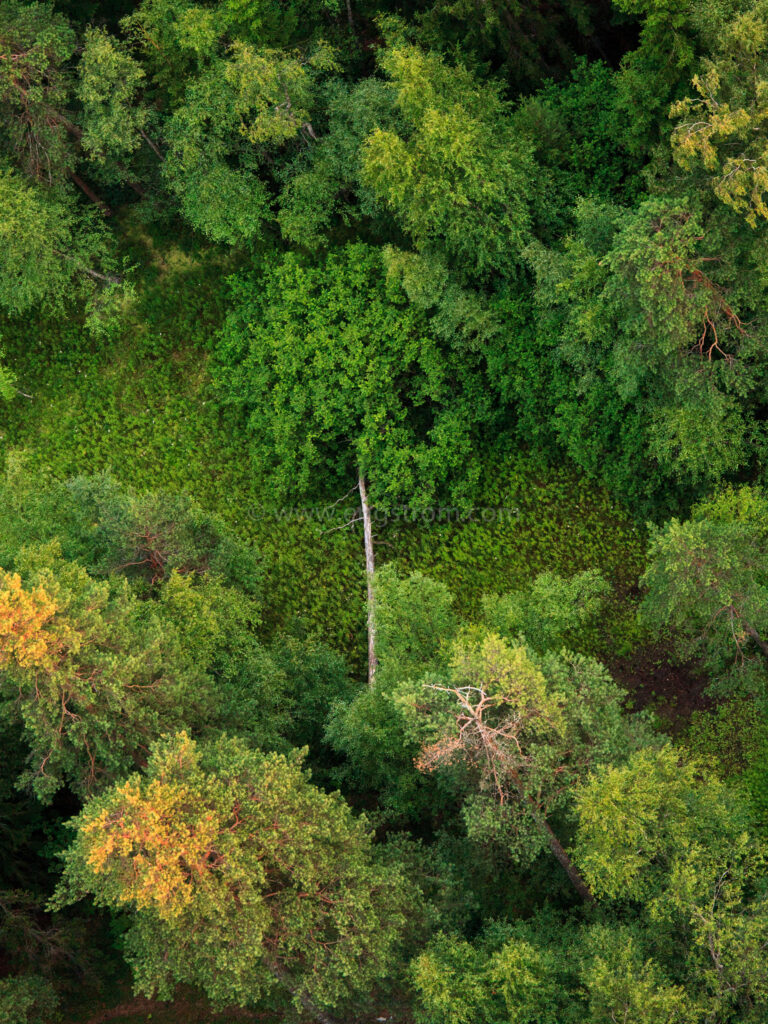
(674, 692)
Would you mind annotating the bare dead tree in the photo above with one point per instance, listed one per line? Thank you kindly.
(370, 568)
(370, 564)
(488, 734)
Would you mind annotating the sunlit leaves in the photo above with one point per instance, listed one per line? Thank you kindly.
(243, 877)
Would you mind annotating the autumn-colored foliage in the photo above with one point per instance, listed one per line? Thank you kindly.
(26, 638)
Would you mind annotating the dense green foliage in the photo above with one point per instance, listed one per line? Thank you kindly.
(244, 875)
(339, 374)
(438, 325)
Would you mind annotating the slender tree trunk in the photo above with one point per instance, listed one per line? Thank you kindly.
(751, 631)
(565, 861)
(97, 276)
(350, 19)
(77, 133)
(88, 191)
(369, 571)
(152, 145)
(553, 842)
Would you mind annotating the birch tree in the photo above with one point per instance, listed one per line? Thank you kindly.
(345, 387)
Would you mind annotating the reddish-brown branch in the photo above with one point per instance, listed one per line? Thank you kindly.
(88, 191)
(502, 760)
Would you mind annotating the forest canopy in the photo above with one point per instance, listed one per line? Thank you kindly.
(384, 511)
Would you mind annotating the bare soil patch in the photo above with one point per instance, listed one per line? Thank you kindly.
(673, 691)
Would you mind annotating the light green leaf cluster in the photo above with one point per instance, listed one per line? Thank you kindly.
(415, 622)
(49, 251)
(549, 613)
(721, 130)
(455, 175)
(109, 80)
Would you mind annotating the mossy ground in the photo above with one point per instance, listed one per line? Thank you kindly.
(141, 403)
